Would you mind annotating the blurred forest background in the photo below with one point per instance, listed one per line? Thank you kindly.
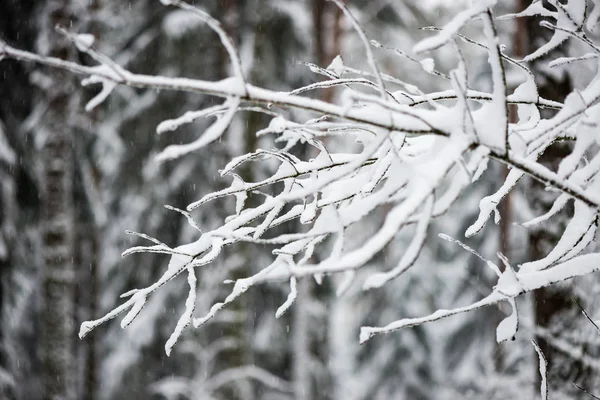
(111, 183)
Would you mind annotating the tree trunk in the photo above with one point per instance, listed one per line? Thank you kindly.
(319, 47)
(301, 375)
(86, 304)
(554, 308)
(57, 211)
(18, 207)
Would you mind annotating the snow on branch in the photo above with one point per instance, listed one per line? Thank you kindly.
(415, 153)
(543, 371)
(361, 33)
(451, 29)
(213, 133)
(218, 28)
(510, 285)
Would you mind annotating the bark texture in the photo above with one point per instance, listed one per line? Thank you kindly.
(57, 210)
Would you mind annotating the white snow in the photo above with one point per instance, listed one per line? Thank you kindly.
(543, 371)
(178, 23)
(210, 135)
(337, 66)
(428, 64)
(188, 117)
(84, 41)
(186, 317)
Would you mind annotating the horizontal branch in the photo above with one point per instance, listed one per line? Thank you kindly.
(225, 88)
(508, 287)
(482, 96)
(547, 177)
(235, 87)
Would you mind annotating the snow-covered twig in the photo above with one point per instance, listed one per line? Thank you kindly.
(543, 371)
(363, 37)
(218, 28)
(507, 286)
(593, 396)
(585, 314)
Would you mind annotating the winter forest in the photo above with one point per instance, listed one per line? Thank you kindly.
(299, 199)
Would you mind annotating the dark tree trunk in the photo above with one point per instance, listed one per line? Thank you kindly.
(18, 213)
(91, 366)
(554, 308)
(57, 211)
(86, 299)
(319, 48)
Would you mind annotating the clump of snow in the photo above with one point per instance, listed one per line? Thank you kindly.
(428, 65)
(337, 66)
(290, 299)
(507, 328)
(178, 23)
(84, 41)
(277, 124)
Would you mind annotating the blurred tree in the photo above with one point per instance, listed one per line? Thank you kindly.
(55, 131)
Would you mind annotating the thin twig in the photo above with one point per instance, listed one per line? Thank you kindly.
(361, 33)
(586, 391)
(586, 314)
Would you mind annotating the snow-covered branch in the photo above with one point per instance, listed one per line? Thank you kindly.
(416, 153)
